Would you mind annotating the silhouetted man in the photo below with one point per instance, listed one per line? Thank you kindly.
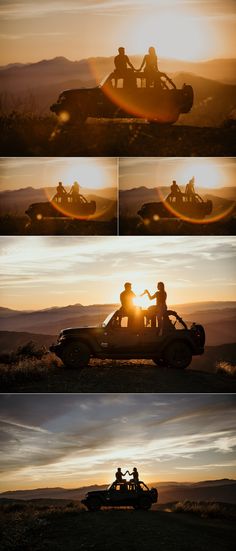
(61, 190)
(127, 303)
(175, 190)
(122, 63)
(119, 475)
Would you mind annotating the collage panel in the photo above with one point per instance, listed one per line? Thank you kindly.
(177, 196)
(118, 314)
(126, 79)
(95, 469)
(58, 196)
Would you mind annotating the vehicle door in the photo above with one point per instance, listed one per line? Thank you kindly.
(120, 339)
(118, 494)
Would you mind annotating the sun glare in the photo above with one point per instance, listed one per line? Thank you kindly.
(174, 35)
(90, 174)
(207, 173)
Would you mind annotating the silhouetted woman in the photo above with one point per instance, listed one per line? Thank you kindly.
(135, 475)
(149, 65)
(160, 308)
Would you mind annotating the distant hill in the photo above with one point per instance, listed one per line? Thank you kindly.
(15, 202)
(11, 340)
(213, 490)
(218, 319)
(132, 199)
(34, 86)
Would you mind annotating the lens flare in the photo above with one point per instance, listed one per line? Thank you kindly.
(197, 219)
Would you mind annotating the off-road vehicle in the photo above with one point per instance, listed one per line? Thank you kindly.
(117, 339)
(181, 206)
(61, 207)
(129, 97)
(122, 494)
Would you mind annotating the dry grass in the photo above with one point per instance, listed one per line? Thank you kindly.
(226, 368)
(28, 363)
(205, 509)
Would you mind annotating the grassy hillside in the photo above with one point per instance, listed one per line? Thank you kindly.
(57, 527)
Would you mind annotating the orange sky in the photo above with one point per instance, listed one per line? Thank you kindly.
(76, 29)
(39, 272)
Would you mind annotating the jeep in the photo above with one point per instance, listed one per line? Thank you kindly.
(116, 338)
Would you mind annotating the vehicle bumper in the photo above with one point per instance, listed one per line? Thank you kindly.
(55, 108)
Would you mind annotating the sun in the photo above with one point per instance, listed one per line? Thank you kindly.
(206, 172)
(174, 34)
(89, 173)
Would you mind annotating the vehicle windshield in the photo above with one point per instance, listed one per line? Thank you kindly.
(108, 318)
(103, 81)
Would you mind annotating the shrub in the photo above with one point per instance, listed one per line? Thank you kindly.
(226, 368)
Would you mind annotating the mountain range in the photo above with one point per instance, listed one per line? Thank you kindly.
(32, 87)
(212, 490)
(218, 318)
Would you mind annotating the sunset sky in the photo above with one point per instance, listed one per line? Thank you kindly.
(38, 272)
(75, 440)
(182, 29)
(160, 171)
(94, 173)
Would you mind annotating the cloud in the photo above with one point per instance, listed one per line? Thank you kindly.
(60, 437)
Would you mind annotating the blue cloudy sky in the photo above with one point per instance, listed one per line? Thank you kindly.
(72, 440)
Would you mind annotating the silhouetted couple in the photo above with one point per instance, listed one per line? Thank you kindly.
(190, 193)
(120, 475)
(74, 193)
(128, 308)
(149, 65)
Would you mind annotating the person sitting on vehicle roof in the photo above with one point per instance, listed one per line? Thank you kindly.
(135, 476)
(122, 63)
(190, 190)
(119, 475)
(124, 69)
(74, 193)
(61, 192)
(159, 310)
(149, 66)
(127, 302)
(175, 190)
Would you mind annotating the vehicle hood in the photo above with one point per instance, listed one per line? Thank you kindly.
(80, 330)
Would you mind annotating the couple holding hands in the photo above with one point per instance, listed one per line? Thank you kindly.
(128, 307)
(134, 474)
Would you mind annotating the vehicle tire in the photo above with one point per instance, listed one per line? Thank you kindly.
(144, 503)
(76, 355)
(93, 504)
(178, 355)
(160, 362)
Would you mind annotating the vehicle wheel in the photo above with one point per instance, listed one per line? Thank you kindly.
(76, 355)
(178, 355)
(160, 362)
(144, 503)
(93, 504)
